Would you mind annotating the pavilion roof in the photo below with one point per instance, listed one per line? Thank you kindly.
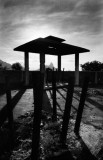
(50, 45)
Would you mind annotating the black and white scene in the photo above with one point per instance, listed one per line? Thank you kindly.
(51, 80)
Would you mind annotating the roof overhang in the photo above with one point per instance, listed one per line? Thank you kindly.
(50, 45)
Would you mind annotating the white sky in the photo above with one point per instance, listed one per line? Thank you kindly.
(78, 22)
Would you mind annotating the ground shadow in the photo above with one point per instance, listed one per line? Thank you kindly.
(62, 156)
(14, 101)
(85, 153)
(61, 94)
(96, 104)
(6, 135)
(91, 124)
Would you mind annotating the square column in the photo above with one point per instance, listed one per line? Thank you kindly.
(59, 63)
(59, 67)
(42, 63)
(77, 69)
(26, 60)
(42, 66)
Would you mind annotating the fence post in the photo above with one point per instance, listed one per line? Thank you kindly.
(67, 110)
(38, 96)
(63, 76)
(81, 105)
(54, 117)
(9, 105)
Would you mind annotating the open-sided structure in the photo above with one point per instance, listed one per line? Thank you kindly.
(53, 46)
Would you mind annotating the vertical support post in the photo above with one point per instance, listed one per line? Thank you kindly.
(54, 97)
(42, 65)
(81, 105)
(26, 68)
(59, 63)
(77, 69)
(38, 101)
(9, 105)
(67, 111)
(47, 76)
(59, 66)
(63, 76)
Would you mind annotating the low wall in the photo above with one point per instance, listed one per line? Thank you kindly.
(12, 76)
(95, 77)
(19, 76)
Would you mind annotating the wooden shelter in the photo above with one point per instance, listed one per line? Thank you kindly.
(53, 46)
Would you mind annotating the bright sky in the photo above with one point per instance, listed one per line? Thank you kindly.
(79, 22)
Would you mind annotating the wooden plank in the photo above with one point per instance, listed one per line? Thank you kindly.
(38, 97)
(81, 105)
(57, 87)
(67, 110)
(54, 97)
(9, 104)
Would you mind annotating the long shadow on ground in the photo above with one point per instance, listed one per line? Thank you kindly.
(85, 154)
(96, 104)
(14, 101)
(6, 136)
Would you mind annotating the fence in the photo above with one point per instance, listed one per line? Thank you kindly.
(19, 76)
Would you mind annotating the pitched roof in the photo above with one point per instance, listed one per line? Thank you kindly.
(50, 45)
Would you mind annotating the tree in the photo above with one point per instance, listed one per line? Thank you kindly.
(92, 66)
(17, 66)
(3, 67)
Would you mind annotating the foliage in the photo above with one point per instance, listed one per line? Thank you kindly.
(17, 66)
(92, 66)
(3, 67)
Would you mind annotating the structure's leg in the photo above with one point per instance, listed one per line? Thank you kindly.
(81, 106)
(38, 102)
(77, 69)
(26, 68)
(42, 65)
(67, 111)
(54, 97)
(59, 65)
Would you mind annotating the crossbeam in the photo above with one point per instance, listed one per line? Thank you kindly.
(57, 87)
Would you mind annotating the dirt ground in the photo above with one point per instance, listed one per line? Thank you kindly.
(88, 146)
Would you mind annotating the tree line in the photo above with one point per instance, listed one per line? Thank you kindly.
(92, 66)
(14, 66)
(88, 66)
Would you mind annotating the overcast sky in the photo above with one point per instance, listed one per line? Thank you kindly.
(79, 22)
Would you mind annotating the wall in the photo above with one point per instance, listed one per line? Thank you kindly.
(12, 76)
(19, 76)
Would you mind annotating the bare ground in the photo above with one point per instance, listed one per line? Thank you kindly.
(88, 146)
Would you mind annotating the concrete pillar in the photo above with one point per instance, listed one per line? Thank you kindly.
(42, 63)
(42, 66)
(26, 68)
(59, 63)
(77, 69)
(59, 67)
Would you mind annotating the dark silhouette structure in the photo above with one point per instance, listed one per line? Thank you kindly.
(53, 46)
